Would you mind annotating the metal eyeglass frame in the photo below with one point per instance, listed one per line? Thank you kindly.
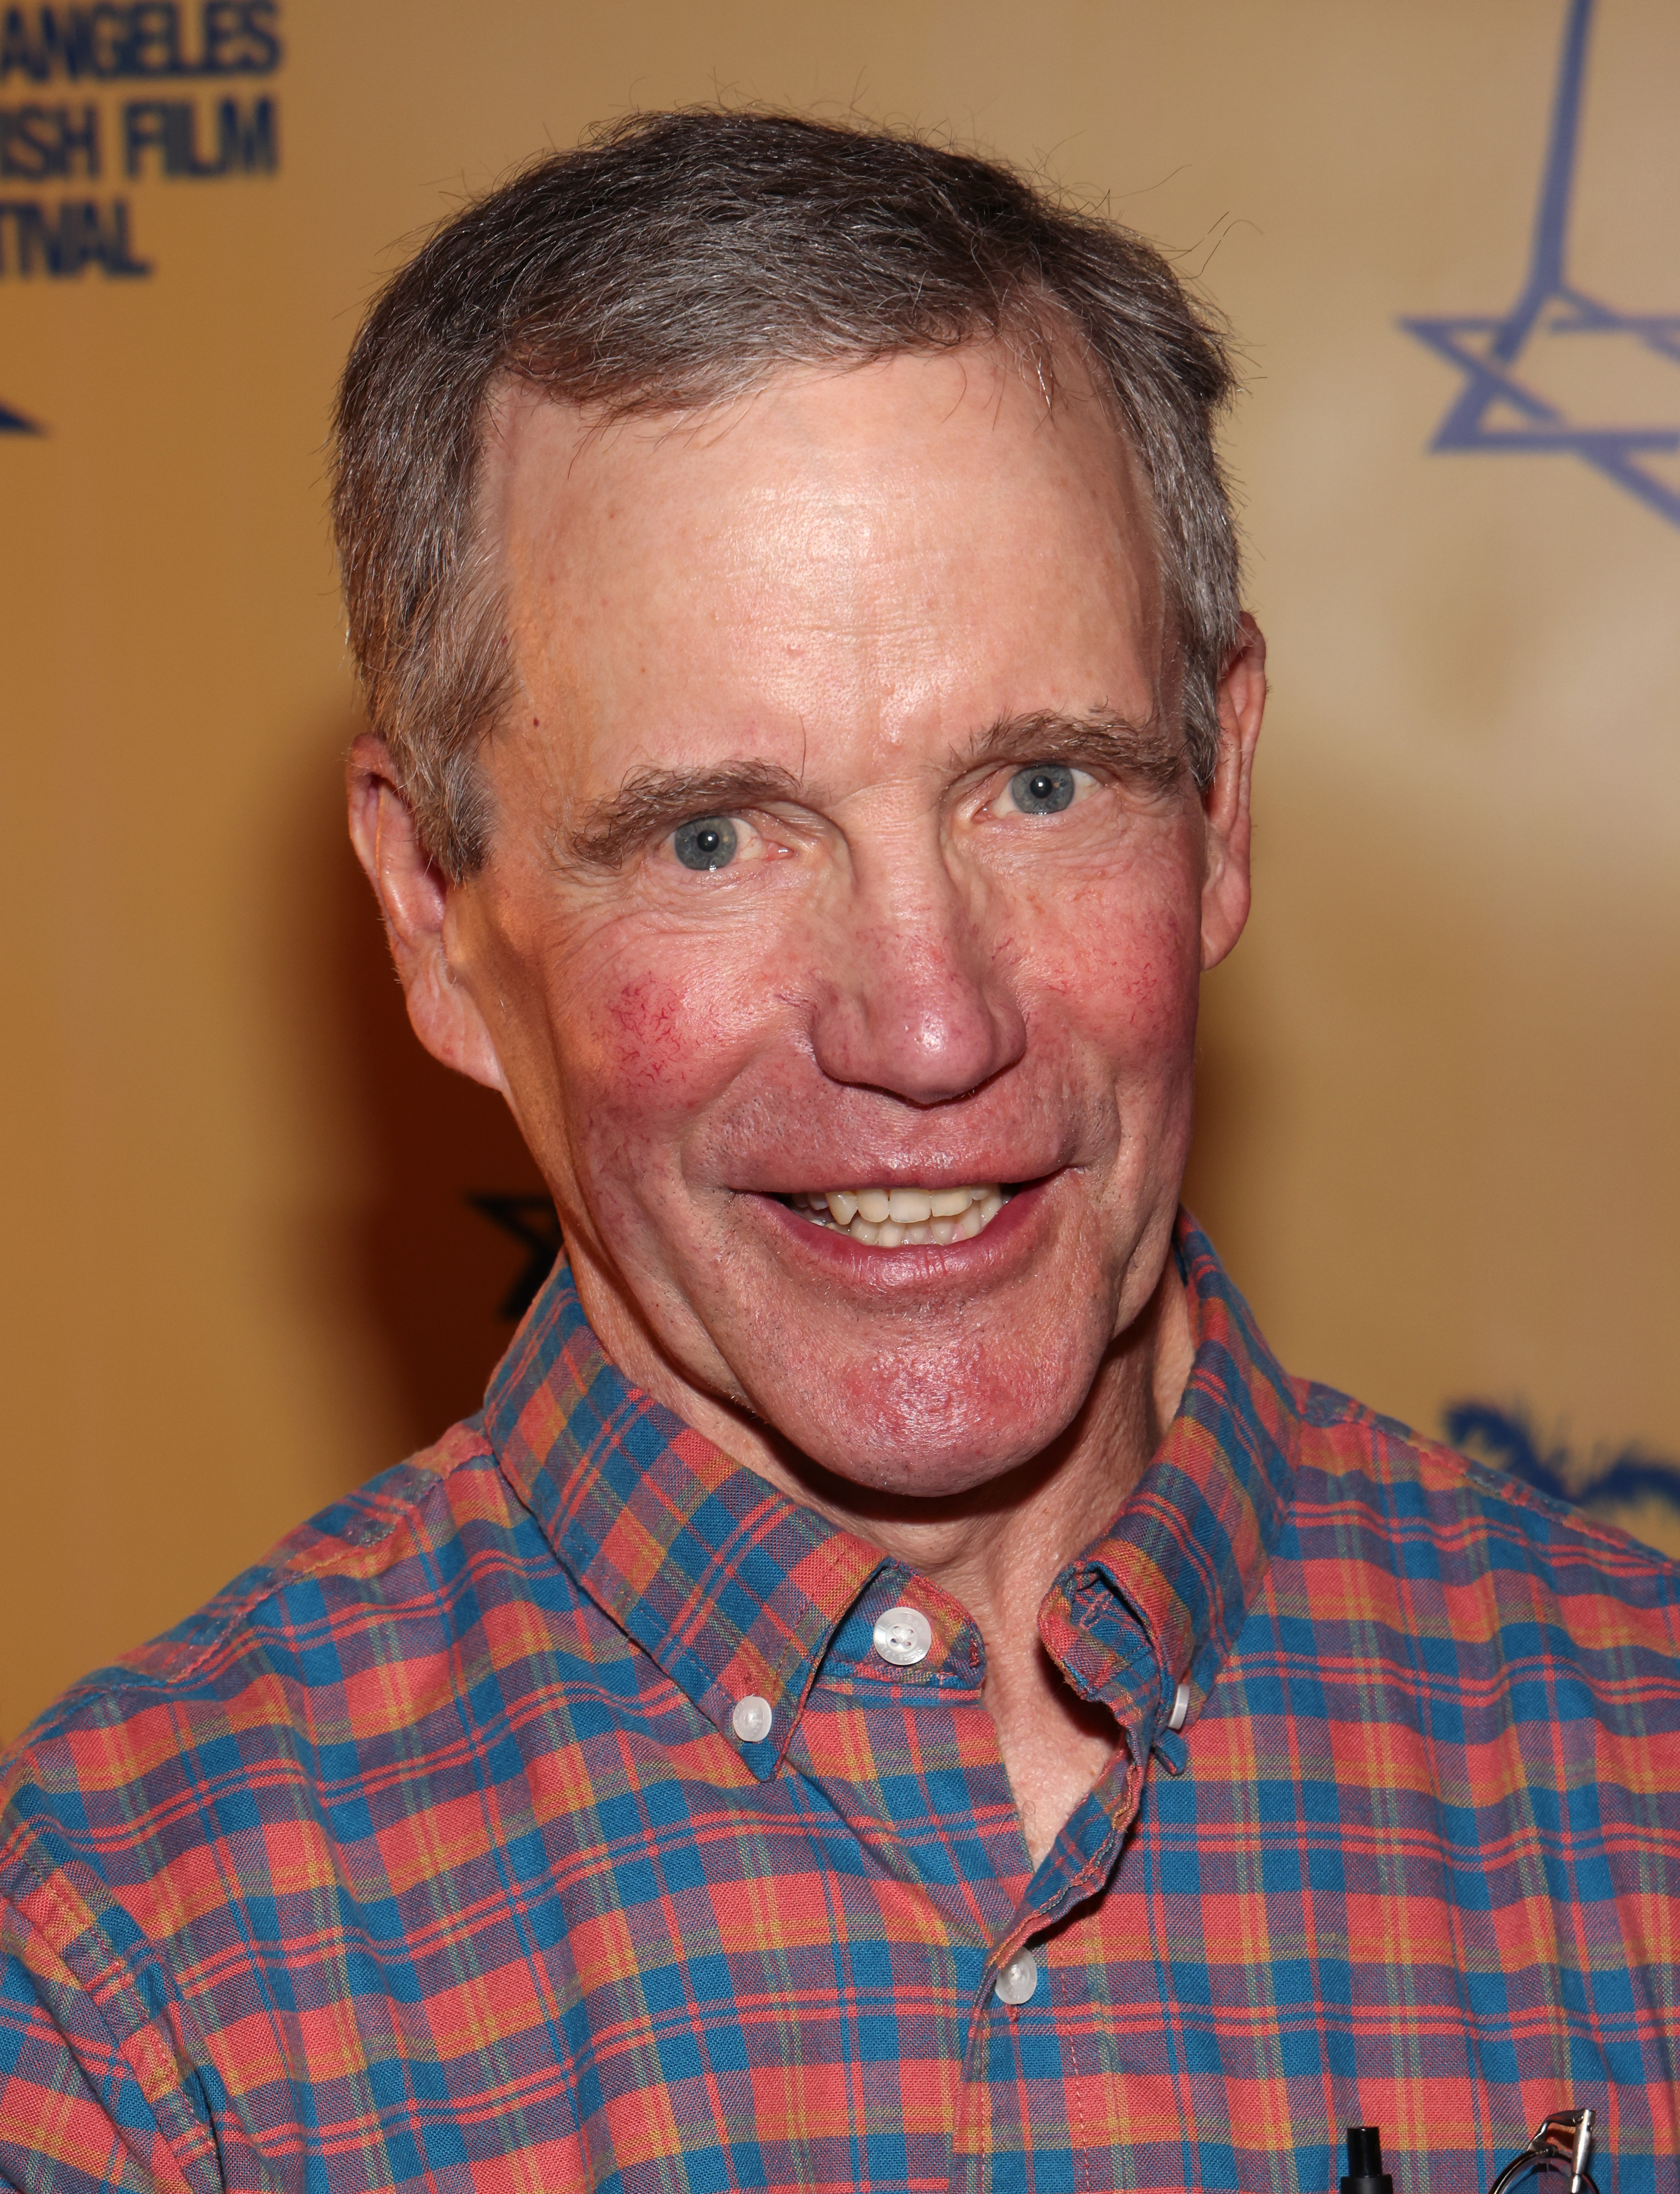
(1561, 2141)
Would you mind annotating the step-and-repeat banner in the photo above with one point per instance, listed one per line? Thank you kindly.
(257, 1246)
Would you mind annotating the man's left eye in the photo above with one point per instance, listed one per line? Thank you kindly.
(1044, 787)
(709, 842)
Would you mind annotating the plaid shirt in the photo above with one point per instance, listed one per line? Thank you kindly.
(428, 1855)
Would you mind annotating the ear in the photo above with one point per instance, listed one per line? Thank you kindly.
(1226, 803)
(416, 899)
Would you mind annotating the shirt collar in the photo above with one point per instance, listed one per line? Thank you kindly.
(733, 1589)
(1160, 1598)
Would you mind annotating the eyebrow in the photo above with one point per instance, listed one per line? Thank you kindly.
(1149, 754)
(651, 801)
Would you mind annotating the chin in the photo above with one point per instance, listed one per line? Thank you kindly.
(928, 1431)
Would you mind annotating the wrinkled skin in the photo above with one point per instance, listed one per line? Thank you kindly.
(845, 614)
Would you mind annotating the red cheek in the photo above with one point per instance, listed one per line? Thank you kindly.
(1123, 969)
(647, 1040)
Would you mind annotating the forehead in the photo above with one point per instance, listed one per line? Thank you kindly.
(892, 555)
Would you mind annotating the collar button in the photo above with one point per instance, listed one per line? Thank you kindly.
(752, 1719)
(903, 1636)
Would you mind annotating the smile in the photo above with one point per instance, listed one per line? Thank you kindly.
(891, 1218)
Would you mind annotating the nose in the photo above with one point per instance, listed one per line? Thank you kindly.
(915, 998)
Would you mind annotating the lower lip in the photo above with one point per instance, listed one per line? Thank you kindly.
(917, 1264)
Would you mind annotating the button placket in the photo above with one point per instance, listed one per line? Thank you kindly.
(1017, 1982)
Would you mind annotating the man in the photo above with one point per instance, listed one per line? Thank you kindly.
(898, 1689)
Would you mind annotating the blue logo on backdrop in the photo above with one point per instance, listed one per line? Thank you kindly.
(1502, 405)
(1506, 1437)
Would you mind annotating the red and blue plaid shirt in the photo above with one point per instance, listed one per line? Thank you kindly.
(427, 1855)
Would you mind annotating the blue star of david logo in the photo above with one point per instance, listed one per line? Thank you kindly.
(1498, 408)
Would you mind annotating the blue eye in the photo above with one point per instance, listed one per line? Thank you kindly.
(1045, 788)
(708, 842)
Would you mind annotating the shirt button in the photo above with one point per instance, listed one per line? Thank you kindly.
(752, 1719)
(1018, 1979)
(903, 1636)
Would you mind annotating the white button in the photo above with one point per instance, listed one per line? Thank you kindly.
(752, 1719)
(1181, 1707)
(1018, 1979)
(903, 1636)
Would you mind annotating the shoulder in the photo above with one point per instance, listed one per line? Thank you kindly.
(209, 1791)
(351, 1631)
(360, 1544)
(1476, 1543)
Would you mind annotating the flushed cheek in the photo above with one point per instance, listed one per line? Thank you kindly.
(646, 1059)
(648, 1041)
(1129, 984)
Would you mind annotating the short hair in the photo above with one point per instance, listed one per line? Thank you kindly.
(680, 259)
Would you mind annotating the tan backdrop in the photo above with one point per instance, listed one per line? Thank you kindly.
(1437, 1141)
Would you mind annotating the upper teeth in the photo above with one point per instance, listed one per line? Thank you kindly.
(886, 1217)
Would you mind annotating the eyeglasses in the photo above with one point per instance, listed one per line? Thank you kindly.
(1561, 2141)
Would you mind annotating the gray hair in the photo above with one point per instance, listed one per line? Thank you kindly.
(675, 260)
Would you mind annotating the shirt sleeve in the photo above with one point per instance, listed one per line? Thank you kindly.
(74, 2112)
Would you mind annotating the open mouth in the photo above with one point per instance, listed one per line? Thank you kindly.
(891, 1218)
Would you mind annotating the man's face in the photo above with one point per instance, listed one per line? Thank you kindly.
(834, 851)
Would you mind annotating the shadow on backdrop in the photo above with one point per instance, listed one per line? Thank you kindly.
(449, 1233)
